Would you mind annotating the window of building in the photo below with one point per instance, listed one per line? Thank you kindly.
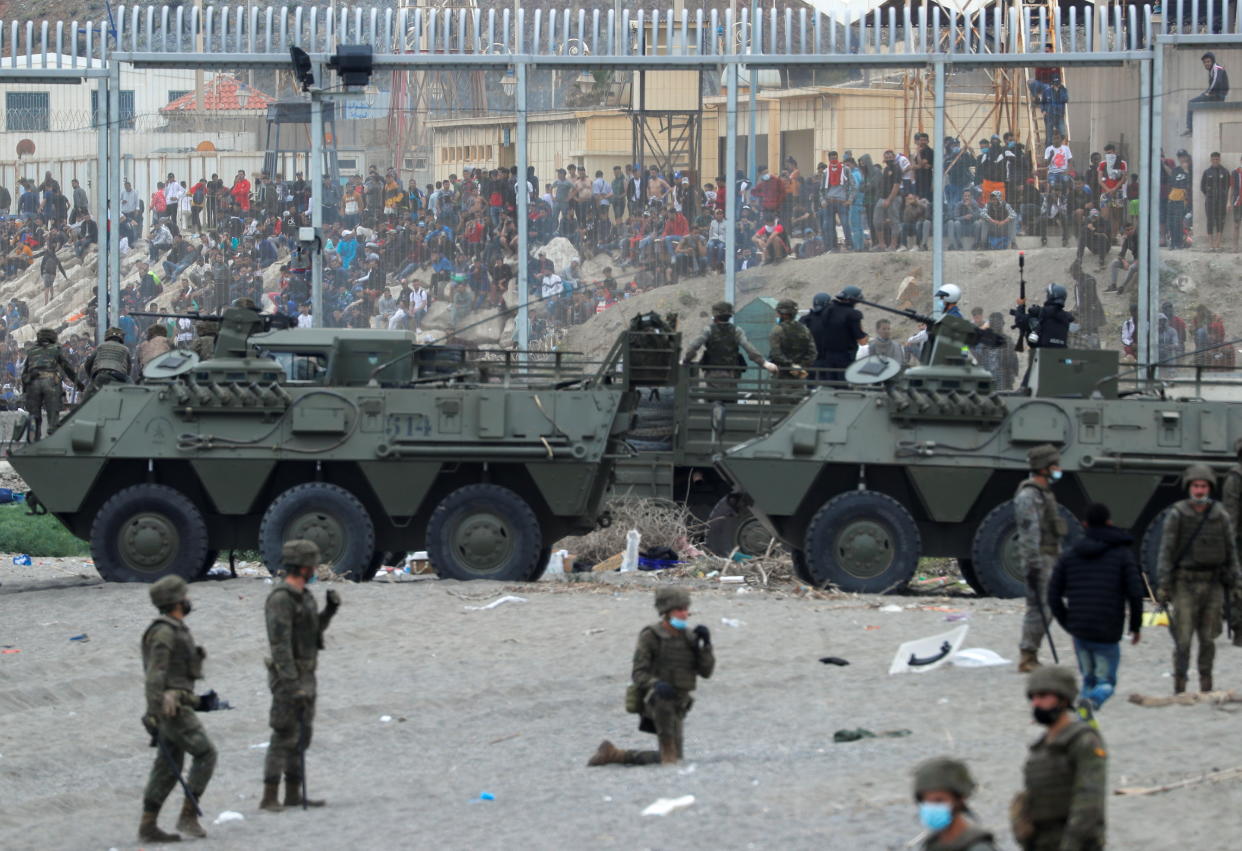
(26, 112)
(127, 108)
(174, 94)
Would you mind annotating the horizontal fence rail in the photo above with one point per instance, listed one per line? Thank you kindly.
(1002, 28)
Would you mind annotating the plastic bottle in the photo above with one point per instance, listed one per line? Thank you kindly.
(630, 560)
(556, 563)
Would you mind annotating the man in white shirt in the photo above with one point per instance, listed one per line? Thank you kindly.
(418, 302)
(1059, 160)
(304, 316)
(173, 192)
(552, 285)
(399, 321)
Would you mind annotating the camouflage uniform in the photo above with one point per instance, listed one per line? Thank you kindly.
(1066, 778)
(204, 345)
(41, 381)
(172, 663)
(1198, 566)
(722, 343)
(109, 362)
(790, 343)
(1040, 530)
(667, 665)
(1231, 496)
(950, 775)
(295, 629)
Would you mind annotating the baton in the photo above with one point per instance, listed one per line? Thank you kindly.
(172, 763)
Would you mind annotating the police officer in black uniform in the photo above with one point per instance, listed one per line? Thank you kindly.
(1046, 327)
(836, 327)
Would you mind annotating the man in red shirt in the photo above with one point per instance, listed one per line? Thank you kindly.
(158, 204)
(770, 240)
(241, 191)
(768, 191)
(675, 228)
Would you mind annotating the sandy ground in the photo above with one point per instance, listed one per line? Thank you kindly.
(513, 700)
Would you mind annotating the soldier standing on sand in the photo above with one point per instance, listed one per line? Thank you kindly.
(172, 663)
(1066, 773)
(1198, 567)
(941, 788)
(1231, 496)
(41, 381)
(1040, 530)
(667, 662)
(295, 629)
(722, 343)
(790, 345)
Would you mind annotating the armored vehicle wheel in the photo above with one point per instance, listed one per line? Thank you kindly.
(326, 514)
(1149, 549)
(994, 550)
(145, 532)
(541, 565)
(484, 532)
(800, 568)
(862, 541)
(730, 528)
(966, 566)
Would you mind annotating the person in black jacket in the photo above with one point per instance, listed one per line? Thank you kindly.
(1217, 88)
(1091, 586)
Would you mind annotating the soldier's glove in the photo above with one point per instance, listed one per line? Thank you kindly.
(664, 691)
(703, 635)
(771, 367)
(202, 653)
(171, 703)
(334, 601)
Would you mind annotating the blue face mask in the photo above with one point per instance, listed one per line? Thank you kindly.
(935, 817)
(1055, 475)
(677, 623)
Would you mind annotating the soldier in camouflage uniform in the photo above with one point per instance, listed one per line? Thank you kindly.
(790, 345)
(46, 364)
(295, 629)
(1066, 774)
(941, 788)
(172, 663)
(1231, 496)
(1198, 567)
(109, 362)
(204, 345)
(1040, 530)
(667, 662)
(722, 343)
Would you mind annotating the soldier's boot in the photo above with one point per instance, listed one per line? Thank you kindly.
(1179, 683)
(188, 822)
(1205, 682)
(293, 793)
(149, 831)
(1028, 661)
(271, 797)
(608, 754)
(668, 750)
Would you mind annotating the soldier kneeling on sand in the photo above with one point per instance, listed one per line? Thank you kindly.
(667, 662)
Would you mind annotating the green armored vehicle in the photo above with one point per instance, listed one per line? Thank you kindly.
(860, 482)
(362, 441)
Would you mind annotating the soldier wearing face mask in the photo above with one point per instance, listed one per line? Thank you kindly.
(1040, 530)
(941, 789)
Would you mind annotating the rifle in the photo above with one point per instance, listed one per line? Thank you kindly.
(1021, 344)
(271, 321)
(1043, 615)
(157, 741)
(302, 749)
(971, 334)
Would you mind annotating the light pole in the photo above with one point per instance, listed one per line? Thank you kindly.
(751, 83)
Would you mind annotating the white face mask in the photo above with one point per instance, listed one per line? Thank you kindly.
(766, 177)
(937, 307)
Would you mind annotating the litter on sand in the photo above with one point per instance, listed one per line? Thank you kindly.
(486, 796)
(891, 607)
(664, 806)
(509, 598)
(732, 622)
(23, 560)
(9, 651)
(834, 660)
(928, 654)
(978, 657)
(229, 815)
(259, 746)
(1155, 619)
(384, 719)
(861, 733)
(82, 637)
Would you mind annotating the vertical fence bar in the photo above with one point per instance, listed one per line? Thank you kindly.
(317, 198)
(730, 173)
(1147, 333)
(103, 310)
(110, 215)
(523, 200)
(938, 182)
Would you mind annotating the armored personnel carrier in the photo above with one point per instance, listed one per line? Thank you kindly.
(361, 441)
(861, 482)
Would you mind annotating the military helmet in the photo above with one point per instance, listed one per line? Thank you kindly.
(850, 293)
(46, 335)
(787, 305)
(667, 599)
(820, 302)
(943, 773)
(168, 591)
(1055, 294)
(299, 553)
(1044, 455)
(722, 310)
(206, 329)
(115, 333)
(1197, 473)
(1054, 679)
(244, 301)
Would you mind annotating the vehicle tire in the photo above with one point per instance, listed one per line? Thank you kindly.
(209, 561)
(730, 528)
(863, 542)
(800, 568)
(994, 550)
(145, 532)
(966, 566)
(327, 515)
(1149, 549)
(484, 532)
(541, 565)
